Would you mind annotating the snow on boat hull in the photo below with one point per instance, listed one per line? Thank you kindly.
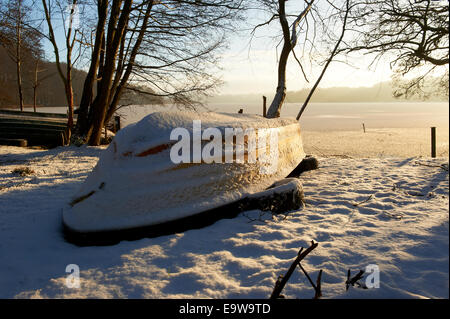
(136, 184)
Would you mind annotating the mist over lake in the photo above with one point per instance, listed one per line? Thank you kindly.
(332, 116)
(322, 116)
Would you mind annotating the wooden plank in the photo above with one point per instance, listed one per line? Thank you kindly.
(13, 142)
(18, 119)
(34, 119)
(27, 130)
(34, 114)
(31, 126)
(31, 134)
(36, 140)
(36, 127)
(32, 138)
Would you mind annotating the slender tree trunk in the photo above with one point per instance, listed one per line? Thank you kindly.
(69, 97)
(82, 126)
(333, 54)
(34, 99)
(35, 83)
(18, 55)
(67, 78)
(19, 80)
(289, 42)
(277, 102)
(68, 86)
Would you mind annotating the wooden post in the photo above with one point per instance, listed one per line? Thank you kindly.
(264, 106)
(433, 141)
(116, 123)
(364, 128)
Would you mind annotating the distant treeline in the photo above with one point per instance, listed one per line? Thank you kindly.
(380, 92)
(50, 91)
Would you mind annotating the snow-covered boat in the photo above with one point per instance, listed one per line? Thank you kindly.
(171, 166)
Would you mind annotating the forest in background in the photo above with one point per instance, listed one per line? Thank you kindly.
(380, 92)
(50, 91)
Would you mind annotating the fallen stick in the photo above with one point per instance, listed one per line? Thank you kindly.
(307, 276)
(352, 281)
(364, 201)
(318, 286)
(279, 285)
(443, 166)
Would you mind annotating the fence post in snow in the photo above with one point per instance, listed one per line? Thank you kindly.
(116, 123)
(264, 106)
(433, 141)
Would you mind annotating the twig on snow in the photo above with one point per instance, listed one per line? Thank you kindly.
(281, 282)
(318, 286)
(443, 166)
(354, 280)
(364, 201)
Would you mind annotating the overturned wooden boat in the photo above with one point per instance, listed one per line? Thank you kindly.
(174, 169)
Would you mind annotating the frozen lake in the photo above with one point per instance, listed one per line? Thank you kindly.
(325, 116)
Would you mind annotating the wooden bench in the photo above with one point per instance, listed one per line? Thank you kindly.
(37, 128)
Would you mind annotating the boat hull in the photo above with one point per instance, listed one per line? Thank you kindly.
(136, 184)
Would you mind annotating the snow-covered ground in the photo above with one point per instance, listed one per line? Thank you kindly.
(363, 207)
(377, 142)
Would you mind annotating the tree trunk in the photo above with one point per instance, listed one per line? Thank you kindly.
(19, 81)
(82, 126)
(18, 55)
(69, 97)
(118, 88)
(115, 34)
(34, 98)
(68, 86)
(289, 42)
(35, 83)
(333, 54)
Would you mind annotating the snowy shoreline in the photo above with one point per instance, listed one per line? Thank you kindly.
(386, 208)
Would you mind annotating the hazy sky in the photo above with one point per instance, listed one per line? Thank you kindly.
(254, 69)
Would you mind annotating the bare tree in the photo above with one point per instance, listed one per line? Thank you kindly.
(346, 12)
(290, 38)
(414, 34)
(14, 16)
(310, 28)
(36, 78)
(165, 49)
(68, 10)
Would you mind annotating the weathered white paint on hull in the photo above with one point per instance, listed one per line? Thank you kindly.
(135, 183)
